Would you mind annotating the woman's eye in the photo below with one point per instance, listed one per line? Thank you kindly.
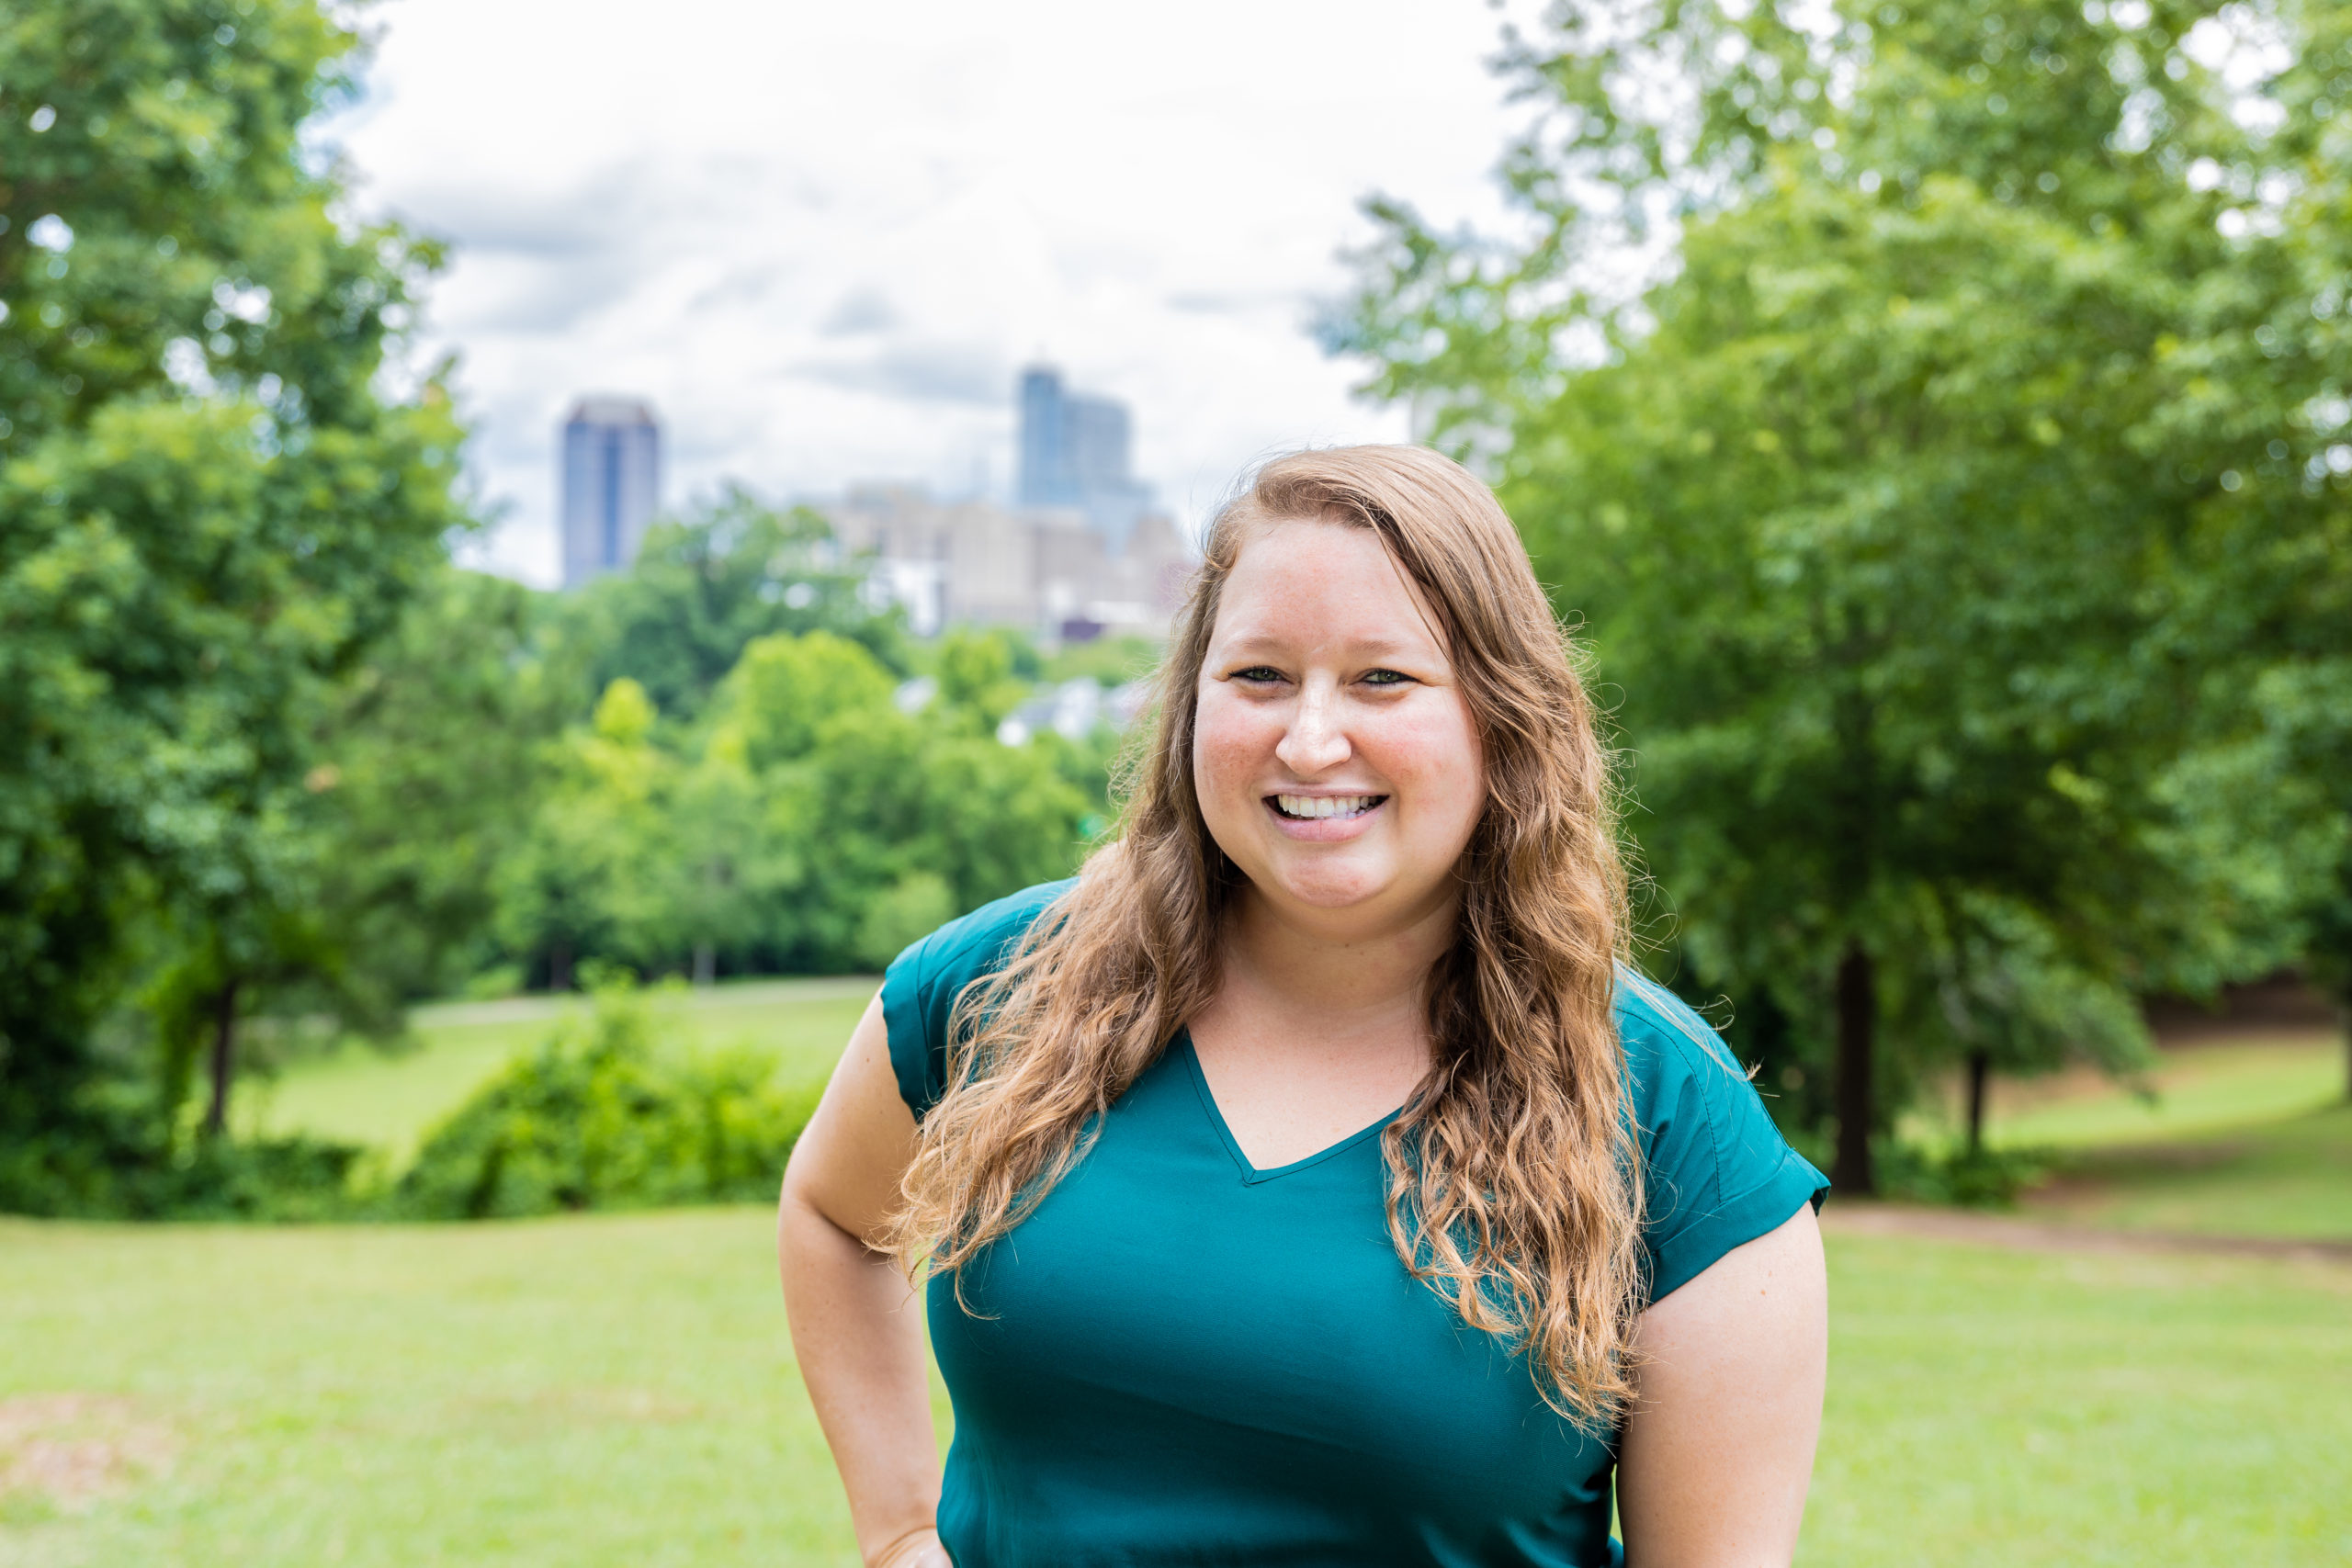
(1258, 672)
(1385, 678)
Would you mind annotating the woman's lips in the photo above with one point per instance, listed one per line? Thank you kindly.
(1324, 818)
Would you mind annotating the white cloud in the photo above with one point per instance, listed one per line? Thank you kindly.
(823, 239)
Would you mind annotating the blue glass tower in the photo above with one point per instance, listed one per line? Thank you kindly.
(1075, 452)
(612, 484)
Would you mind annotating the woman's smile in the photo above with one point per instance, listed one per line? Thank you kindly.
(1321, 817)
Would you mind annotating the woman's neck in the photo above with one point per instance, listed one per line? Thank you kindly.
(1344, 979)
(1317, 1029)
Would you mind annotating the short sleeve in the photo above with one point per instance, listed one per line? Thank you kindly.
(1716, 1173)
(920, 988)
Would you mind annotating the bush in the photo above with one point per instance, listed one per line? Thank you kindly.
(112, 1162)
(1969, 1179)
(599, 1118)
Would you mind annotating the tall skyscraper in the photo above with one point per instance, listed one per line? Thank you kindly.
(1045, 477)
(1075, 453)
(612, 484)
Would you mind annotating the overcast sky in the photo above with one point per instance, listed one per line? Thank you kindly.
(823, 239)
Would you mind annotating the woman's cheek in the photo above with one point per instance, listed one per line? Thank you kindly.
(1418, 745)
(1429, 753)
(1230, 748)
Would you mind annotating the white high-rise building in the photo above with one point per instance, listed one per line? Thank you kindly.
(612, 484)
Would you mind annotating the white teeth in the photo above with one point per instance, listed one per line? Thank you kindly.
(1325, 805)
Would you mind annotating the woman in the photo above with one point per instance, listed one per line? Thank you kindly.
(1310, 1182)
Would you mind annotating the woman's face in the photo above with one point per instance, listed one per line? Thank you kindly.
(1336, 761)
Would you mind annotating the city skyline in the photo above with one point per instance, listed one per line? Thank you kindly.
(825, 250)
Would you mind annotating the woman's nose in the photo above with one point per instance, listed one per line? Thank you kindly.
(1314, 741)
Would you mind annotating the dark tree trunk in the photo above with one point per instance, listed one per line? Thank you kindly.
(706, 964)
(1980, 1072)
(1857, 1045)
(559, 966)
(224, 1060)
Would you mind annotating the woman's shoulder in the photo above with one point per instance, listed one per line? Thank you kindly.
(980, 941)
(1717, 1172)
(1664, 1036)
(921, 988)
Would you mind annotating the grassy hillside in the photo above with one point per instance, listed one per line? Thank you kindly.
(2288, 1177)
(2196, 1090)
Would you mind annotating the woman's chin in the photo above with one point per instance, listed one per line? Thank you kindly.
(1333, 885)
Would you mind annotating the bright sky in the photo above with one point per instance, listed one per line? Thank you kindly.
(823, 239)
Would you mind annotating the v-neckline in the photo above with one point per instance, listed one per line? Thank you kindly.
(1251, 1174)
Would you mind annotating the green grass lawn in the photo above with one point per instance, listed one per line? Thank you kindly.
(619, 1390)
(2196, 1090)
(389, 1101)
(2242, 1136)
(1991, 1407)
(2289, 1178)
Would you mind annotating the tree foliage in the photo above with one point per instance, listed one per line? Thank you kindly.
(704, 586)
(208, 505)
(804, 823)
(429, 759)
(1938, 501)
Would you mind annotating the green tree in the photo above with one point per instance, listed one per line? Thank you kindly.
(978, 687)
(591, 877)
(430, 756)
(704, 587)
(873, 821)
(2304, 691)
(785, 689)
(1919, 502)
(2307, 703)
(206, 504)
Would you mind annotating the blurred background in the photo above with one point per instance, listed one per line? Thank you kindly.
(540, 546)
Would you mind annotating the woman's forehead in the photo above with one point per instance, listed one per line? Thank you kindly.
(1310, 578)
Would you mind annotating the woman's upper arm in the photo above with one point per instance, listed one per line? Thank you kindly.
(849, 1161)
(1719, 1447)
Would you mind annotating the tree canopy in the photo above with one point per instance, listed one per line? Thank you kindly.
(1937, 500)
(208, 503)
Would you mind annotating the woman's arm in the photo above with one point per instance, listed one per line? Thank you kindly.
(856, 1328)
(1719, 1447)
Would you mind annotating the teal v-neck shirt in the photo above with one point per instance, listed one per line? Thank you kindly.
(1181, 1359)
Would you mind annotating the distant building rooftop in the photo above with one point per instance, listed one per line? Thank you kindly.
(611, 410)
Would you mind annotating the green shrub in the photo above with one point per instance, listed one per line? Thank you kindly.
(115, 1163)
(1969, 1179)
(599, 1118)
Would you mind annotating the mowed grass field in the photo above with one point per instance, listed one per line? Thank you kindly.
(2249, 1136)
(2208, 1088)
(619, 1389)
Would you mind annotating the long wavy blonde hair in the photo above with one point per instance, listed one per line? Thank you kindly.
(1513, 1187)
